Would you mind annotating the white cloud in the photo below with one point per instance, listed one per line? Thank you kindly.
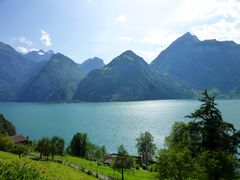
(25, 50)
(221, 30)
(121, 19)
(125, 39)
(45, 38)
(160, 37)
(22, 49)
(190, 10)
(24, 41)
(21, 40)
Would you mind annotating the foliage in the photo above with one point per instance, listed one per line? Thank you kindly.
(122, 161)
(205, 148)
(17, 171)
(5, 143)
(20, 149)
(95, 152)
(145, 146)
(57, 146)
(6, 127)
(79, 145)
(44, 147)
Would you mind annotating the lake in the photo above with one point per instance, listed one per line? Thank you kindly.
(110, 123)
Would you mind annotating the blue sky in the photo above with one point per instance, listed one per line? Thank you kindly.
(82, 29)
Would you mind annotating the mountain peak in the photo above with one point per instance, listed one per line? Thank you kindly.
(187, 38)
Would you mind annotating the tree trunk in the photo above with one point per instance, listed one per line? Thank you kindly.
(122, 174)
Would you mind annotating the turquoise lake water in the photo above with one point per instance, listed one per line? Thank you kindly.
(109, 124)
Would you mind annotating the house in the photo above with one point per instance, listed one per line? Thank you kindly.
(19, 139)
(108, 160)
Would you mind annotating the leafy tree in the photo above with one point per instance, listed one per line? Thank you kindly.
(175, 164)
(79, 145)
(44, 147)
(122, 161)
(57, 146)
(20, 149)
(146, 146)
(5, 143)
(6, 127)
(95, 152)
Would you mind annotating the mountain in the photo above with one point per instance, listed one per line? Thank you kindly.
(208, 64)
(127, 77)
(91, 64)
(56, 81)
(14, 72)
(39, 56)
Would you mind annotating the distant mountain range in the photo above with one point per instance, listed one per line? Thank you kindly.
(182, 70)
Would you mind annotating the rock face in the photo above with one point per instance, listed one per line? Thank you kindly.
(208, 64)
(39, 56)
(127, 77)
(56, 81)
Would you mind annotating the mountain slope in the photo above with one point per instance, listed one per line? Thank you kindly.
(56, 81)
(127, 77)
(14, 72)
(91, 64)
(201, 64)
(39, 56)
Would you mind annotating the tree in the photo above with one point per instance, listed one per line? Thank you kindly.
(6, 127)
(44, 147)
(215, 133)
(146, 147)
(122, 161)
(5, 143)
(79, 145)
(20, 149)
(57, 146)
(206, 147)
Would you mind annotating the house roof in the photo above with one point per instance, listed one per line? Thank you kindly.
(18, 139)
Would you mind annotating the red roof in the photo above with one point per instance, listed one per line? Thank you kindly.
(19, 139)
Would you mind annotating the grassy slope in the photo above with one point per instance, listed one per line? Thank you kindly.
(50, 170)
(105, 170)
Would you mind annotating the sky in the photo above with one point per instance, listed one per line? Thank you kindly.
(82, 29)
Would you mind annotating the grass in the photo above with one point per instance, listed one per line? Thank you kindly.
(48, 170)
(108, 171)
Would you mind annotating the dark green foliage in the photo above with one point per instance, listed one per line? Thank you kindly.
(44, 147)
(127, 77)
(6, 127)
(17, 171)
(208, 64)
(205, 148)
(57, 146)
(146, 146)
(215, 133)
(79, 145)
(20, 149)
(122, 161)
(56, 81)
